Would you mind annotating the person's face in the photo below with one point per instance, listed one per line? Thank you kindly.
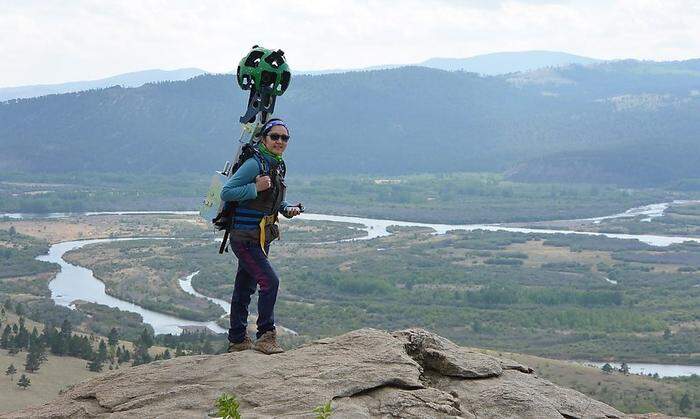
(278, 146)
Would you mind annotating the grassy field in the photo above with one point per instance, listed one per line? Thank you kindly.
(54, 375)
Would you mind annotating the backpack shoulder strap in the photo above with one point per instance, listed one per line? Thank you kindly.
(263, 167)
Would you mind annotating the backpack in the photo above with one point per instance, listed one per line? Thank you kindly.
(224, 218)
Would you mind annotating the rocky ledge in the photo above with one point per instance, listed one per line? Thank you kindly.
(366, 373)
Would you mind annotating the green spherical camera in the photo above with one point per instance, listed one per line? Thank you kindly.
(264, 71)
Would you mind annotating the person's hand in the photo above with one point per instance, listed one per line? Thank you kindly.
(262, 183)
(294, 210)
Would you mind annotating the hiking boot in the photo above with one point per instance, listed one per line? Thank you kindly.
(240, 346)
(267, 343)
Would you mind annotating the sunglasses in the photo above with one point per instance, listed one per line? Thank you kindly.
(277, 137)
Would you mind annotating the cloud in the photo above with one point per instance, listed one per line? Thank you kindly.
(45, 42)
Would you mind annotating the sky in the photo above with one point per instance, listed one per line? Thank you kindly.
(54, 41)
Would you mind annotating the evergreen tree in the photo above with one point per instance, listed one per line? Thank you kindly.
(179, 350)
(6, 337)
(113, 337)
(22, 338)
(11, 371)
(102, 354)
(144, 342)
(624, 368)
(123, 355)
(166, 354)
(685, 403)
(24, 382)
(113, 342)
(35, 357)
(207, 348)
(95, 365)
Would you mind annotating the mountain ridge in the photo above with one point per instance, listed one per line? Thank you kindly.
(632, 112)
(131, 79)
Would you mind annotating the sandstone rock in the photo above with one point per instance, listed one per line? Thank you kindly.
(365, 374)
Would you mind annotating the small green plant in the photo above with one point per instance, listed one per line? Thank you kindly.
(323, 411)
(228, 406)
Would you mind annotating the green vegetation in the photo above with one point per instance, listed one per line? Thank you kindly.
(324, 411)
(21, 272)
(457, 198)
(228, 406)
(440, 198)
(24, 382)
(99, 191)
(147, 274)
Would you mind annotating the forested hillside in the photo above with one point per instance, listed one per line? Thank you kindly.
(625, 122)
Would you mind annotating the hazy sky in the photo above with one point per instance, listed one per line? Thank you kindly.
(55, 41)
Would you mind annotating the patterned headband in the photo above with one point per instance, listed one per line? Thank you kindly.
(267, 127)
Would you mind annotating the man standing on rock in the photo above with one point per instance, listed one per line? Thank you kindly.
(259, 189)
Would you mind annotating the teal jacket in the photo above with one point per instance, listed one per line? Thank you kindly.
(241, 186)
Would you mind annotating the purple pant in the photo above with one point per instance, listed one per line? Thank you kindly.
(254, 270)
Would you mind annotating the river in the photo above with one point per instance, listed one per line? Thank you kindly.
(664, 370)
(75, 282)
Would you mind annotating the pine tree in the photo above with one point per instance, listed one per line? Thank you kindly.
(6, 337)
(685, 403)
(166, 354)
(123, 355)
(207, 348)
(113, 342)
(11, 371)
(113, 337)
(179, 350)
(624, 368)
(35, 357)
(102, 354)
(24, 382)
(145, 341)
(95, 365)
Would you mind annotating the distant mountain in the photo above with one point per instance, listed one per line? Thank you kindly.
(488, 64)
(625, 122)
(507, 62)
(134, 79)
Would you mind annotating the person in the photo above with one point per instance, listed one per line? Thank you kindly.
(258, 188)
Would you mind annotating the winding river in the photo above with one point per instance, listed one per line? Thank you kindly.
(75, 282)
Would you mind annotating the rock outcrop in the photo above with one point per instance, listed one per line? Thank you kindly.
(365, 374)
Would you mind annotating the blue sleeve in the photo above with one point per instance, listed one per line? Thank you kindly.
(241, 186)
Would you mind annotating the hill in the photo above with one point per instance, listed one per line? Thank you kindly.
(365, 373)
(487, 64)
(134, 79)
(628, 122)
(507, 62)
